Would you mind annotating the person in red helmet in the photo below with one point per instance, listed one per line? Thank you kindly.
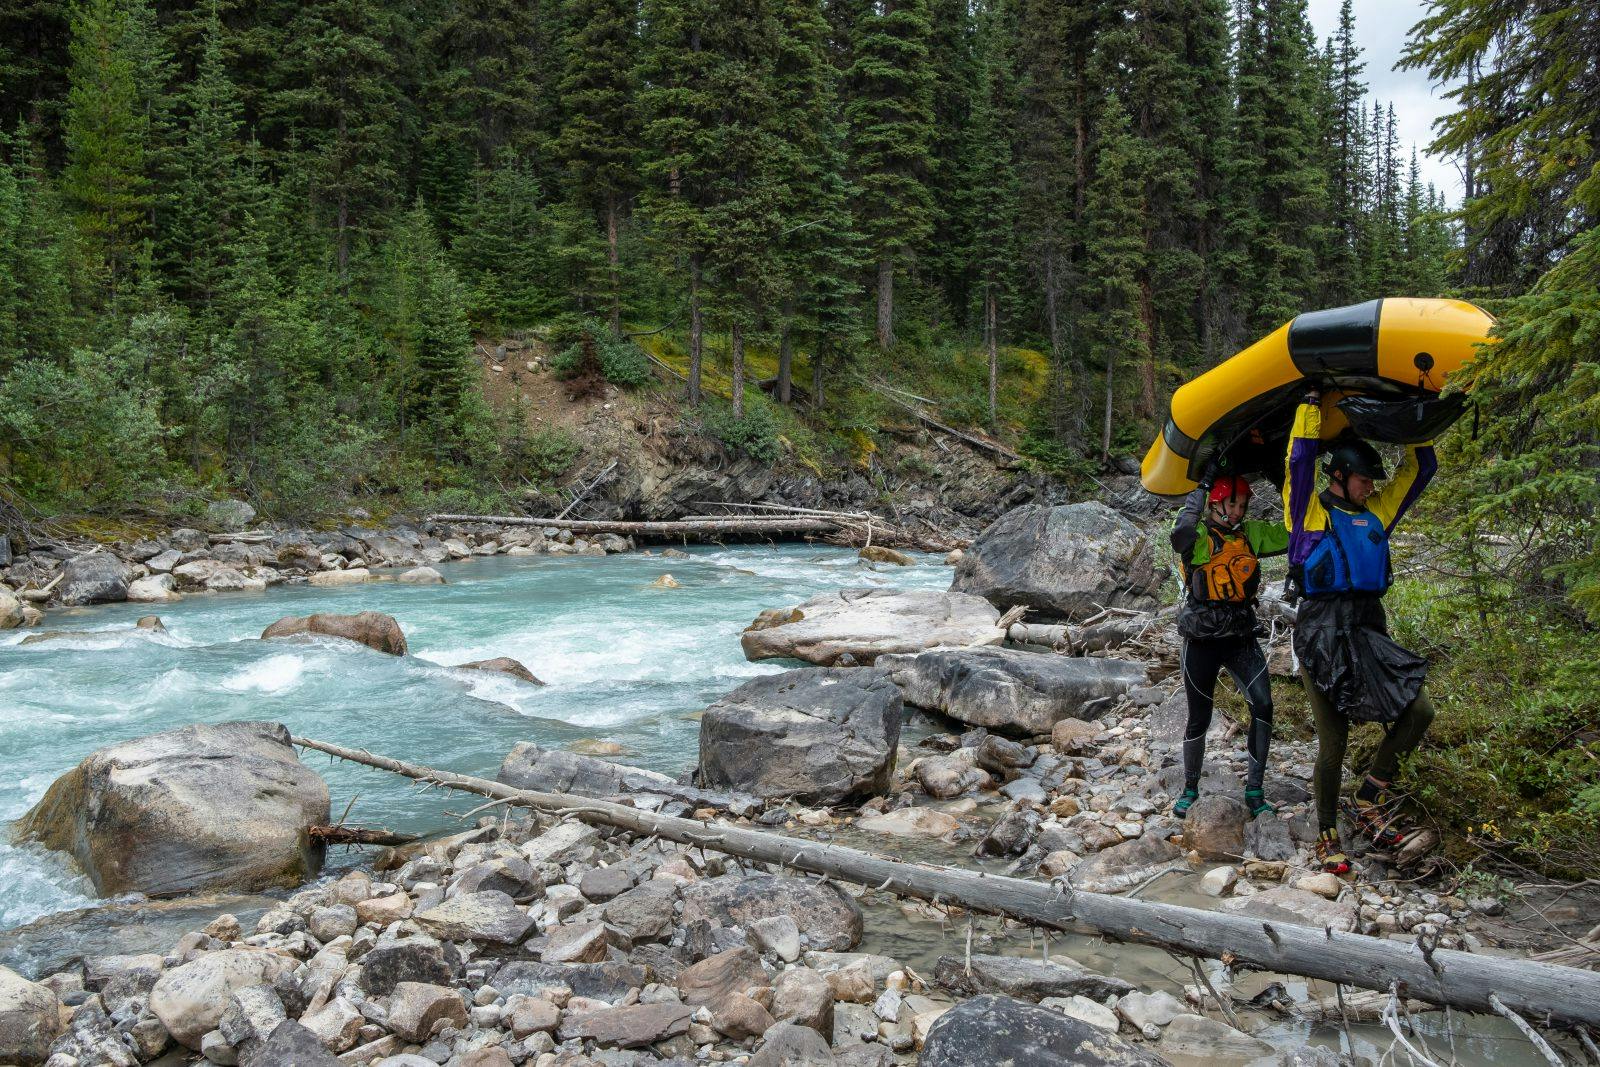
(1219, 553)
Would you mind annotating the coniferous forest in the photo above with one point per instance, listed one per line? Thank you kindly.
(248, 246)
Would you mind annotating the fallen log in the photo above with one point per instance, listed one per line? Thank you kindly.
(357, 835)
(1559, 995)
(669, 528)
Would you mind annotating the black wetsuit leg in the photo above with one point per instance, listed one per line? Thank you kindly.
(1201, 662)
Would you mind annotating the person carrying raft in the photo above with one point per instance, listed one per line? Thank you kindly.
(1352, 670)
(1218, 550)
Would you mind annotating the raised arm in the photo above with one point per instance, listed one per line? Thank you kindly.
(1302, 511)
(1398, 494)
(1185, 531)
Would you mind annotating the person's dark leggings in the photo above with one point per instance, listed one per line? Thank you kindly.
(1333, 732)
(1202, 661)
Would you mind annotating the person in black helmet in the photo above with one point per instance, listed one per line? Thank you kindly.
(1353, 671)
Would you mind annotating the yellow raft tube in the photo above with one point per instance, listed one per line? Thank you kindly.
(1393, 349)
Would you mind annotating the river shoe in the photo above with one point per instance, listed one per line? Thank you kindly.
(1330, 853)
(1380, 821)
(1255, 801)
(1180, 807)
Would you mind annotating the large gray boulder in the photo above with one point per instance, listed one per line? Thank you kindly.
(554, 770)
(867, 623)
(1009, 690)
(1068, 561)
(1017, 976)
(11, 613)
(222, 806)
(999, 1030)
(230, 514)
(816, 735)
(93, 579)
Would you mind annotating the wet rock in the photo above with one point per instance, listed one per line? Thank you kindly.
(816, 736)
(222, 806)
(1214, 828)
(418, 958)
(371, 628)
(828, 918)
(501, 665)
(1068, 561)
(1031, 979)
(1011, 834)
(998, 1030)
(1007, 689)
(601, 981)
(645, 912)
(190, 999)
(421, 576)
(98, 578)
(337, 1024)
(487, 916)
(714, 977)
(416, 1009)
(155, 589)
(628, 1027)
(868, 623)
(803, 996)
(789, 1045)
(1285, 904)
(91, 1038)
(1325, 885)
(1146, 1010)
(879, 554)
(1196, 1038)
(910, 822)
(1123, 866)
(30, 1018)
(511, 875)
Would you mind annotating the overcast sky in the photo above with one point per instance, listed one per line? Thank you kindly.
(1382, 27)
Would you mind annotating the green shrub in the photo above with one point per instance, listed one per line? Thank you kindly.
(756, 434)
(621, 361)
(544, 455)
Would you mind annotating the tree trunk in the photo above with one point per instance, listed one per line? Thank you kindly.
(1561, 995)
(991, 325)
(614, 272)
(817, 358)
(1147, 365)
(786, 352)
(1105, 433)
(885, 303)
(696, 330)
(736, 353)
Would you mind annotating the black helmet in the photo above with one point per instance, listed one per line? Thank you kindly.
(1354, 456)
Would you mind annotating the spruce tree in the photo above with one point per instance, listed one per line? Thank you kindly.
(889, 113)
(35, 299)
(994, 192)
(1346, 140)
(677, 114)
(1115, 254)
(599, 134)
(108, 135)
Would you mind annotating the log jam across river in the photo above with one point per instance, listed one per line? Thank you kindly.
(624, 661)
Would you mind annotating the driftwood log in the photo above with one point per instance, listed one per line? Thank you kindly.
(670, 528)
(1543, 991)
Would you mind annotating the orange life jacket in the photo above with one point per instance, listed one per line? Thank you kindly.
(1232, 573)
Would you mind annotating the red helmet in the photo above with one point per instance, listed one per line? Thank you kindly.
(1228, 486)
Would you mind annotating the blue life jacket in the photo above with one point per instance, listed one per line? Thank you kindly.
(1352, 557)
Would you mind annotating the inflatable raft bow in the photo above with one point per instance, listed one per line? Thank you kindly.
(1380, 364)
